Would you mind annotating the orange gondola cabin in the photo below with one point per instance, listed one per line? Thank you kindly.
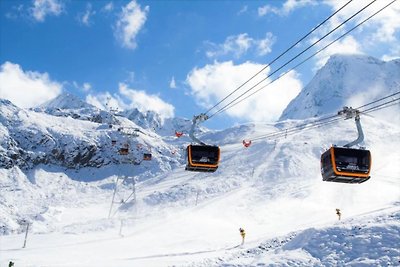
(346, 165)
(202, 158)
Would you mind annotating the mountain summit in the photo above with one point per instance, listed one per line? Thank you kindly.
(345, 80)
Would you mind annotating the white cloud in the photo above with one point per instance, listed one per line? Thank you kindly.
(235, 44)
(43, 8)
(383, 26)
(141, 100)
(85, 17)
(264, 10)
(87, 87)
(240, 44)
(264, 46)
(288, 7)
(212, 83)
(347, 45)
(376, 37)
(108, 7)
(393, 54)
(130, 22)
(106, 101)
(243, 10)
(128, 98)
(26, 88)
(172, 83)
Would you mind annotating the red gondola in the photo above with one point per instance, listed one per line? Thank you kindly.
(178, 134)
(246, 143)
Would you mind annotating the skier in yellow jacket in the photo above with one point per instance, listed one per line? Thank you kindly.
(242, 234)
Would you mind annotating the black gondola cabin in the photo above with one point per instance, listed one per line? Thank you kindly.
(346, 165)
(124, 151)
(202, 158)
(146, 156)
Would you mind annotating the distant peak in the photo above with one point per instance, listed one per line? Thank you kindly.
(66, 101)
(354, 58)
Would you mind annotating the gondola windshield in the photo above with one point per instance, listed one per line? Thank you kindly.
(203, 158)
(203, 154)
(352, 160)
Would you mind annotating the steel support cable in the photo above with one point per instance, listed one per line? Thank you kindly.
(380, 106)
(294, 127)
(302, 62)
(328, 120)
(291, 131)
(284, 133)
(378, 100)
(302, 52)
(280, 55)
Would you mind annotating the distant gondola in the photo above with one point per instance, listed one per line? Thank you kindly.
(178, 134)
(123, 151)
(345, 165)
(146, 156)
(204, 158)
(246, 143)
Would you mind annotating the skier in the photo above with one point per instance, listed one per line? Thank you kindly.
(338, 213)
(242, 234)
(11, 264)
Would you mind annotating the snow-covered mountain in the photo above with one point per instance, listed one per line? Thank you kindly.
(345, 80)
(30, 138)
(104, 210)
(68, 105)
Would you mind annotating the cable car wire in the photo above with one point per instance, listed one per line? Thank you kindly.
(382, 106)
(280, 55)
(326, 120)
(302, 62)
(379, 100)
(299, 54)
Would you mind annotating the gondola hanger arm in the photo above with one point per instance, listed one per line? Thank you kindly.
(349, 113)
(196, 120)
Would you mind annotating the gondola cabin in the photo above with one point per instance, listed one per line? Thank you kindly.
(124, 151)
(146, 156)
(345, 165)
(178, 134)
(246, 143)
(202, 158)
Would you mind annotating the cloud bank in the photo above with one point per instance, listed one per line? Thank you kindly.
(26, 88)
(212, 83)
(128, 98)
(130, 22)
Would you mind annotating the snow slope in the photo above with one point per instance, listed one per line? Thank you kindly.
(273, 189)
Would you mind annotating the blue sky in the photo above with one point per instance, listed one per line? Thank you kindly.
(175, 57)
